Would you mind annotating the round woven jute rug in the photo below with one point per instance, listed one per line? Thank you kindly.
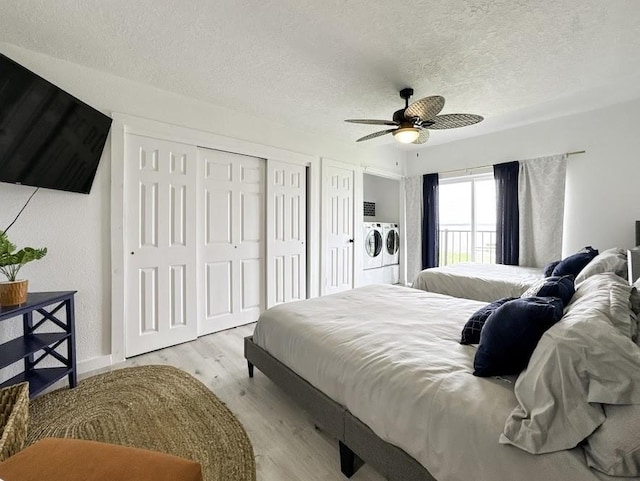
(159, 408)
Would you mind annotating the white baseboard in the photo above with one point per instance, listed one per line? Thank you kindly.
(94, 363)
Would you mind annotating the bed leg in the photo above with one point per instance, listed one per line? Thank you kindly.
(250, 368)
(347, 460)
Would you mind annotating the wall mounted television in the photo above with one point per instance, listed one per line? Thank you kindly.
(48, 138)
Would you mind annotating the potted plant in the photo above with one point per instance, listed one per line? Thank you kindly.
(14, 292)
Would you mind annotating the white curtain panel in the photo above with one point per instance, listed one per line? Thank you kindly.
(413, 199)
(541, 184)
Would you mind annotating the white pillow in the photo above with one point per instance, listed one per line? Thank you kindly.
(614, 448)
(612, 260)
(582, 361)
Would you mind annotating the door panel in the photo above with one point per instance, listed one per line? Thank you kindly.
(286, 232)
(338, 197)
(178, 295)
(160, 189)
(251, 296)
(232, 242)
(218, 288)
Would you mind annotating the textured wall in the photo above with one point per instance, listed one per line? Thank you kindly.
(602, 200)
(76, 228)
(313, 63)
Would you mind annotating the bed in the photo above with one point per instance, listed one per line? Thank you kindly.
(380, 369)
(482, 282)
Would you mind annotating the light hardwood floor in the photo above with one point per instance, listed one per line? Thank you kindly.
(285, 442)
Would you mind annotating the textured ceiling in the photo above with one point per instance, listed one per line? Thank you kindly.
(313, 63)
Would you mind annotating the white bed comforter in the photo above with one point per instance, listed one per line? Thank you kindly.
(391, 355)
(482, 282)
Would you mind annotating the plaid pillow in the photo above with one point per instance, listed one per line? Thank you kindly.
(473, 327)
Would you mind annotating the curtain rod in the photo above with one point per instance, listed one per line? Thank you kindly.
(575, 152)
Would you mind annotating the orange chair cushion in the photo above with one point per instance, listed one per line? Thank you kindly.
(78, 460)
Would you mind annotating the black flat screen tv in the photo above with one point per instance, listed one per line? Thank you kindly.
(48, 138)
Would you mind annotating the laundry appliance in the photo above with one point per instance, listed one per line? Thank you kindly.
(391, 240)
(390, 253)
(373, 245)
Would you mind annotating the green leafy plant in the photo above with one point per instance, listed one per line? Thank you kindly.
(11, 261)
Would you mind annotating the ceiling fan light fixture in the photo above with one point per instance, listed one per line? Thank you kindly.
(406, 135)
(414, 121)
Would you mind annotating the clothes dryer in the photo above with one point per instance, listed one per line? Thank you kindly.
(391, 239)
(373, 245)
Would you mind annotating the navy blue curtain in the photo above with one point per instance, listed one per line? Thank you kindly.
(430, 221)
(508, 215)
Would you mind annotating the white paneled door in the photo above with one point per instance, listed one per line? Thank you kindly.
(338, 195)
(196, 230)
(231, 233)
(286, 232)
(160, 244)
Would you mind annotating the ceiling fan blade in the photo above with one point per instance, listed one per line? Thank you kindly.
(426, 108)
(422, 137)
(375, 134)
(371, 122)
(453, 121)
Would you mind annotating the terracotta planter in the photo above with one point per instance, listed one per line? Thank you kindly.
(13, 293)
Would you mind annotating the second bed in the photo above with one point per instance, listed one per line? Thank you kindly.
(481, 282)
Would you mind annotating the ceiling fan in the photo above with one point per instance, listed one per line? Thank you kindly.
(411, 122)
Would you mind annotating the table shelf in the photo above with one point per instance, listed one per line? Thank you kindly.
(39, 379)
(21, 347)
(40, 312)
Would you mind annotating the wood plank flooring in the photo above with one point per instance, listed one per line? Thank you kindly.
(286, 444)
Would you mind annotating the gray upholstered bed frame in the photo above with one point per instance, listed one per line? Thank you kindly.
(354, 437)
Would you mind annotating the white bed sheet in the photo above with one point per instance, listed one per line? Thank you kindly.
(391, 355)
(482, 282)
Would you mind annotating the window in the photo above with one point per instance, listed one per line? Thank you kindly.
(467, 230)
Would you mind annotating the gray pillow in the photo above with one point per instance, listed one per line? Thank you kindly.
(613, 295)
(614, 448)
(634, 299)
(633, 265)
(612, 260)
(561, 391)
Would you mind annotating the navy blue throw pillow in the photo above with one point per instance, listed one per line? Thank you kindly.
(572, 265)
(473, 327)
(548, 269)
(562, 287)
(511, 334)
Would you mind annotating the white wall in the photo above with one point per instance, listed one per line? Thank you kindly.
(76, 228)
(386, 195)
(603, 190)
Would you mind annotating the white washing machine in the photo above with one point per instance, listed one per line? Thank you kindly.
(391, 239)
(373, 245)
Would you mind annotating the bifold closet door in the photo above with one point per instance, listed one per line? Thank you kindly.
(160, 244)
(286, 232)
(231, 232)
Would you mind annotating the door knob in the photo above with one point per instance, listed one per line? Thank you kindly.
(351, 240)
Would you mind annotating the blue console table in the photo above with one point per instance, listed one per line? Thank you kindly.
(33, 347)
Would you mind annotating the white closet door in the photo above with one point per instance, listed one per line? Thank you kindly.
(286, 232)
(232, 207)
(338, 196)
(160, 241)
